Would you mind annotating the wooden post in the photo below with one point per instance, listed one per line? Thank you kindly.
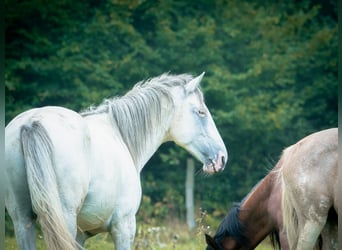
(189, 193)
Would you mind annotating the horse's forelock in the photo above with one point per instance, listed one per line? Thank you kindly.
(231, 226)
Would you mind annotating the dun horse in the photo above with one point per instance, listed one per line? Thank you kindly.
(260, 214)
(79, 174)
(310, 187)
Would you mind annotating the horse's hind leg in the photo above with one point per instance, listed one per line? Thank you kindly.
(24, 220)
(25, 235)
(18, 205)
(24, 228)
(330, 232)
(312, 223)
(309, 234)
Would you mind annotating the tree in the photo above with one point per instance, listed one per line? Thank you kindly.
(271, 75)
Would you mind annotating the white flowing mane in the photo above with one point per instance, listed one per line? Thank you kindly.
(138, 114)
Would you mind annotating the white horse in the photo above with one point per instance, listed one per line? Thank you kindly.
(79, 174)
(310, 190)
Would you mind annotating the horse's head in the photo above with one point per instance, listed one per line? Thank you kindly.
(211, 243)
(230, 235)
(193, 127)
(227, 243)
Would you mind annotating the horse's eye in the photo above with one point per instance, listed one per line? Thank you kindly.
(201, 113)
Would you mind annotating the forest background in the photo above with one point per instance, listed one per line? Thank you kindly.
(271, 77)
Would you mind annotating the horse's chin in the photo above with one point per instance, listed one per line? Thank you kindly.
(212, 168)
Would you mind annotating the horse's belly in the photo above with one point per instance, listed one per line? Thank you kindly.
(95, 216)
(109, 203)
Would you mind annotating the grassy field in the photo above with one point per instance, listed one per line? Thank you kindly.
(171, 237)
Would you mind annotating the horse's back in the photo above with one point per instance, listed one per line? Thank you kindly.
(59, 123)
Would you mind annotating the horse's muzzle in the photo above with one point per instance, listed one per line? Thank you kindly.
(215, 165)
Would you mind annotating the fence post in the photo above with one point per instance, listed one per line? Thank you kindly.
(189, 193)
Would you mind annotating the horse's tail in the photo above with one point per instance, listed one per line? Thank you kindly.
(46, 203)
(290, 218)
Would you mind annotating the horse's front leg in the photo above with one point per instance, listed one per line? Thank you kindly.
(123, 232)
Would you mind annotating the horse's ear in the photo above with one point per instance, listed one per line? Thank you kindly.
(194, 83)
(211, 242)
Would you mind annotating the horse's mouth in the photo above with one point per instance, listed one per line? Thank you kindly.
(215, 166)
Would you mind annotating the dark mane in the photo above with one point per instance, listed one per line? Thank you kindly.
(275, 241)
(232, 226)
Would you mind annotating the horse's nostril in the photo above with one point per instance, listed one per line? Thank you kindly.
(223, 160)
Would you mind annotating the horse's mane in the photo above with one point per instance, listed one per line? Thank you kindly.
(138, 114)
(275, 241)
(232, 226)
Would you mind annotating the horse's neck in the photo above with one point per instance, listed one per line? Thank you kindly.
(148, 141)
(154, 144)
(254, 213)
(154, 141)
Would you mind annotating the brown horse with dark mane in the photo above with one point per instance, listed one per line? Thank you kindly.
(257, 216)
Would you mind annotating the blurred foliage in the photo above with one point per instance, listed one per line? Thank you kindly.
(271, 76)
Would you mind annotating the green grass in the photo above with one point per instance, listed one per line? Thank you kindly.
(168, 237)
(155, 235)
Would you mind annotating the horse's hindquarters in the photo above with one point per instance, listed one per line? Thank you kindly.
(309, 179)
(45, 175)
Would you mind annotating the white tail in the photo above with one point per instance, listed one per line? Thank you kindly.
(290, 219)
(46, 203)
